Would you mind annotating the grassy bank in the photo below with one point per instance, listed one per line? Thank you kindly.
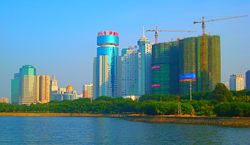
(186, 119)
(219, 121)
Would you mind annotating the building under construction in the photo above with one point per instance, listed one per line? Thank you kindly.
(171, 59)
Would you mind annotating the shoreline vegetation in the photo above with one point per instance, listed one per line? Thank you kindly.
(220, 107)
(182, 119)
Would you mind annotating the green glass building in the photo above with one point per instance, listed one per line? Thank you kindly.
(165, 68)
(171, 59)
(19, 84)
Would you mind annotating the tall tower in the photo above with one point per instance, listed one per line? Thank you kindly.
(106, 72)
(16, 89)
(129, 72)
(190, 62)
(27, 84)
(54, 84)
(44, 89)
(145, 49)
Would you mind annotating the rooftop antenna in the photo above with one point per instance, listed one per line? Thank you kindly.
(143, 32)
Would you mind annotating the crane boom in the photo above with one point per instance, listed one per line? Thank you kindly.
(225, 18)
(156, 31)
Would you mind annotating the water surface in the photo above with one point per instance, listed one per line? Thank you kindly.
(112, 131)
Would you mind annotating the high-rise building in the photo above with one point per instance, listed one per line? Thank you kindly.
(145, 49)
(172, 59)
(248, 80)
(54, 84)
(16, 89)
(44, 96)
(105, 69)
(191, 62)
(22, 87)
(165, 68)
(130, 72)
(236, 82)
(88, 90)
(28, 88)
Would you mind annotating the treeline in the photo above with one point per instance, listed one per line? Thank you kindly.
(220, 102)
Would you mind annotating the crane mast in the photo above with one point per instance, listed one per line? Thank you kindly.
(204, 72)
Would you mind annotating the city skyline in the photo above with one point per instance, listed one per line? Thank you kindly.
(65, 56)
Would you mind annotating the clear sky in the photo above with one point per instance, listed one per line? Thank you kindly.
(59, 36)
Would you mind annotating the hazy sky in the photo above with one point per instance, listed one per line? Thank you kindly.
(59, 36)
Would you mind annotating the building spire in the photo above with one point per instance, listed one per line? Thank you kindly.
(143, 32)
(53, 77)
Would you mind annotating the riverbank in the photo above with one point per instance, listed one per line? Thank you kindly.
(219, 121)
(185, 119)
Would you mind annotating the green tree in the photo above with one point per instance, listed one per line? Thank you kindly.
(221, 93)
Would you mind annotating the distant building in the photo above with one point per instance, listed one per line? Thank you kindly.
(88, 90)
(145, 76)
(130, 72)
(4, 100)
(44, 91)
(248, 80)
(27, 85)
(132, 97)
(28, 88)
(236, 82)
(62, 94)
(54, 84)
(70, 93)
(16, 89)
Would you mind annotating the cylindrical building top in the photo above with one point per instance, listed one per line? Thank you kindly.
(107, 38)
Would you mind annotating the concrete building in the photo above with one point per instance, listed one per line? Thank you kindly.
(54, 84)
(88, 90)
(70, 93)
(105, 73)
(145, 77)
(44, 96)
(248, 80)
(62, 94)
(4, 100)
(236, 82)
(130, 72)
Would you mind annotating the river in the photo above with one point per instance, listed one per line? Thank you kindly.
(112, 131)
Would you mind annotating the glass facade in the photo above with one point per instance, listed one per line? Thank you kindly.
(22, 86)
(129, 72)
(106, 72)
(172, 59)
(165, 68)
(145, 77)
(15, 89)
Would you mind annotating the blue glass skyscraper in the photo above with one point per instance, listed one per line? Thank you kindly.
(105, 65)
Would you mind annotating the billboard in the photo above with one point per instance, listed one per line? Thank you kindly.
(187, 77)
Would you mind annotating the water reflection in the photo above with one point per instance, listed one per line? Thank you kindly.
(94, 130)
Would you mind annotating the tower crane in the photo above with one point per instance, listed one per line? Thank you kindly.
(156, 31)
(203, 22)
